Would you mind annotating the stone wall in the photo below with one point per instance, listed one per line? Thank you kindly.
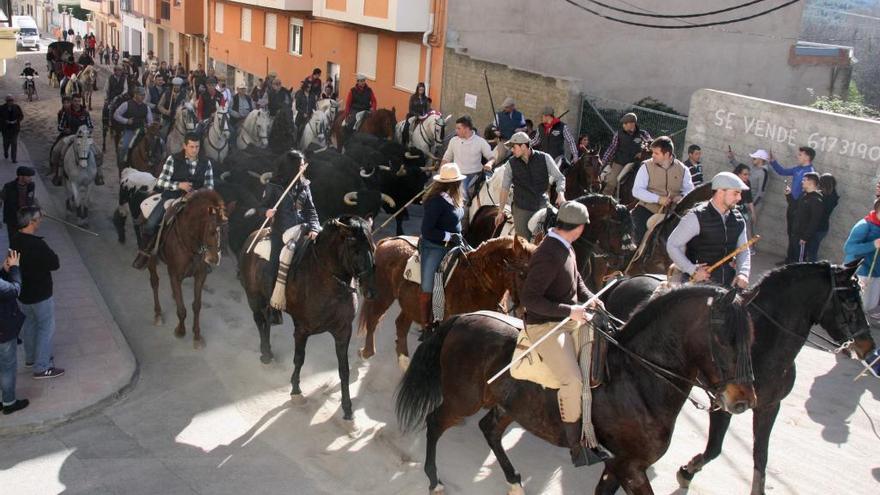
(847, 147)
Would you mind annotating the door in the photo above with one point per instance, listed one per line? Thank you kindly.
(333, 72)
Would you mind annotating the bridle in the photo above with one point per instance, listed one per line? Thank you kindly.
(188, 119)
(439, 133)
(350, 271)
(83, 150)
(224, 127)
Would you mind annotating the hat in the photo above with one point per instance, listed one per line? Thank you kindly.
(573, 213)
(548, 110)
(518, 138)
(241, 85)
(9, 98)
(508, 102)
(761, 155)
(25, 171)
(360, 77)
(449, 173)
(630, 117)
(727, 180)
(177, 81)
(139, 91)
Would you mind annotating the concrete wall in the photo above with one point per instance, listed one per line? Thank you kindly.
(463, 75)
(847, 147)
(629, 63)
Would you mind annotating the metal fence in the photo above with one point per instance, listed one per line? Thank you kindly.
(600, 119)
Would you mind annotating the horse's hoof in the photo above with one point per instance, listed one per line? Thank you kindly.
(99, 180)
(179, 332)
(199, 343)
(266, 358)
(298, 399)
(158, 321)
(403, 362)
(438, 489)
(516, 489)
(364, 354)
(684, 477)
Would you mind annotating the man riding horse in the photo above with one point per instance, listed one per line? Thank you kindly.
(625, 145)
(69, 122)
(133, 115)
(660, 182)
(555, 139)
(710, 231)
(115, 84)
(168, 103)
(360, 99)
(182, 174)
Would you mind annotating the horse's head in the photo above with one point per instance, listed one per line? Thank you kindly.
(609, 233)
(350, 237)
(186, 114)
(263, 123)
(83, 145)
(221, 120)
(517, 266)
(208, 206)
(842, 315)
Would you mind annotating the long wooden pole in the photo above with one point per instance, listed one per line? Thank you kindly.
(733, 253)
(302, 170)
(64, 222)
(399, 211)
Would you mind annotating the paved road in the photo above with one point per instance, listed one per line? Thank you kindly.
(216, 421)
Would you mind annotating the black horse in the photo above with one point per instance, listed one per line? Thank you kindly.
(634, 412)
(282, 135)
(784, 306)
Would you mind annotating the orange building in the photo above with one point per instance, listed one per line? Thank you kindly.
(395, 43)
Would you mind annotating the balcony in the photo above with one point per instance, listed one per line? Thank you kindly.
(402, 16)
(301, 5)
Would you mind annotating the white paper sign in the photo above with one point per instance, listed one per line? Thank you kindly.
(470, 101)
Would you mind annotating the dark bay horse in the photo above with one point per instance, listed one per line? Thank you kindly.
(480, 281)
(380, 123)
(784, 306)
(148, 152)
(634, 412)
(583, 176)
(190, 246)
(625, 186)
(320, 296)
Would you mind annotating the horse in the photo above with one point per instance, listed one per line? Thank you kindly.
(88, 78)
(190, 245)
(80, 169)
(784, 305)
(320, 296)
(426, 133)
(315, 130)
(380, 123)
(282, 135)
(625, 183)
(583, 176)
(147, 152)
(71, 86)
(480, 281)
(134, 187)
(254, 130)
(673, 343)
(215, 142)
(184, 122)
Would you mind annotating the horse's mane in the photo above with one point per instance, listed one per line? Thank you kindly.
(204, 198)
(358, 225)
(650, 313)
(490, 248)
(780, 278)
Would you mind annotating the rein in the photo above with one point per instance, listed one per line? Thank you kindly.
(225, 141)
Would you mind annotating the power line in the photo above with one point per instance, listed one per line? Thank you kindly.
(675, 16)
(687, 26)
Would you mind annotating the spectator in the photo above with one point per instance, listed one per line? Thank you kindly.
(746, 205)
(584, 145)
(695, 153)
(759, 177)
(830, 198)
(10, 125)
(530, 129)
(257, 91)
(17, 194)
(510, 120)
(11, 319)
(808, 211)
(37, 264)
(863, 242)
(805, 158)
(315, 83)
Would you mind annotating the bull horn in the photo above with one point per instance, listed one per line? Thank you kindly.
(265, 178)
(410, 156)
(364, 174)
(401, 172)
(387, 200)
(385, 168)
(351, 198)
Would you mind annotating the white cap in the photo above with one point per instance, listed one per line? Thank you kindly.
(761, 155)
(728, 180)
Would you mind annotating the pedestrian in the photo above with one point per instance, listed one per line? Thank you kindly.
(830, 199)
(554, 138)
(661, 182)
(554, 291)
(509, 119)
(625, 145)
(805, 158)
(11, 320)
(10, 125)
(530, 172)
(863, 243)
(302, 102)
(468, 150)
(38, 261)
(710, 231)
(78, 40)
(16, 194)
(694, 164)
(360, 99)
(746, 204)
(808, 211)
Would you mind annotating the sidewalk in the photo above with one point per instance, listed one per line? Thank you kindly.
(88, 343)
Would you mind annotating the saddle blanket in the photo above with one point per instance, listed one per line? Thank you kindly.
(413, 270)
(149, 204)
(263, 247)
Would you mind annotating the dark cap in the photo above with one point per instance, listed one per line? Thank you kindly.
(24, 171)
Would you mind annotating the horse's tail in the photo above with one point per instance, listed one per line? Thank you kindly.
(420, 392)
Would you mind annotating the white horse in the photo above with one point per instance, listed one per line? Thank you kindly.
(490, 193)
(184, 121)
(426, 133)
(254, 130)
(80, 169)
(215, 143)
(316, 130)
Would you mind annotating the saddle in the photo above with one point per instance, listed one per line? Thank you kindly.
(359, 118)
(413, 271)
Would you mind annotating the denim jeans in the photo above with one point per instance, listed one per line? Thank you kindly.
(466, 185)
(37, 333)
(8, 365)
(430, 254)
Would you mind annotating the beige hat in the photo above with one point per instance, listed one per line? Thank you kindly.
(518, 138)
(449, 173)
(573, 213)
(508, 102)
(728, 180)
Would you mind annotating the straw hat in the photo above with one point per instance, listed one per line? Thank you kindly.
(449, 173)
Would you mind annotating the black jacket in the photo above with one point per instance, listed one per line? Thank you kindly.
(296, 208)
(11, 317)
(10, 201)
(10, 117)
(38, 261)
(809, 211)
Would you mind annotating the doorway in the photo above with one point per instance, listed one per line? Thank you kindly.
(333, 71)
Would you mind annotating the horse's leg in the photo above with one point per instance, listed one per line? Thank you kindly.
(493, 425)
(762, 425)
(635, 481)
(608, 483)
(371, 314)
(437, 422)
(399, 221)
(199, 283)
(261, 318)
(154, 283)
(341, 340)
(719, 421)
(402, 323)
(177, 291)
(299, 357)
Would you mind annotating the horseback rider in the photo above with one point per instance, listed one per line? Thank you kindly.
(625, 145)
(277, 97)
(419, 106)
(509, 119)
(661, 181)
(242, 105)
(115, 84)
(293, 220)
(441, 231)
(360, 99)
(133, 115)
(169, 101)
(77, 115)
(554, 290)
(555, 139)
(710, 231)
(468, 150)
(182, 173)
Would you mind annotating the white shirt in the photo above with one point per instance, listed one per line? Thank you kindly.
(467, 153)
(640, 186)
(687, 229)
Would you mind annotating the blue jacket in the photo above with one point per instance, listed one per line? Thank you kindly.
(797, 174)
(440, 218)
(508, 123)
(10, 315)
(860, 244)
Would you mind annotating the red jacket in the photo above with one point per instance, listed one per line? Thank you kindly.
(70, 69)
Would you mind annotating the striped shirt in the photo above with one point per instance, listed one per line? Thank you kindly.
(164, 182)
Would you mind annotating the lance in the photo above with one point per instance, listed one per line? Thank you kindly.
(64, 222)
(280, 199)
(732, 254)
(399, 211)
(491, 102)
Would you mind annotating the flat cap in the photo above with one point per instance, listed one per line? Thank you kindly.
(548, 110)
(573, 213)
(177, 81)
(139, 90)
(630, 117)
(518, 138)
(24, 171)
(508, 102)
(728, 180)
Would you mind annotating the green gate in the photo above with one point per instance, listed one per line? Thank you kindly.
(600, 119)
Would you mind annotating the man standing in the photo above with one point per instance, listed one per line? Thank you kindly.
(554, 290)
(661, 181)
(360, 99)
(17, 194)
(468, 150)
(510, 120)
(183, 173)
(693, 163)
(808, 211)
(529, 172)
(10, 125)
(555, 139)
(709, 232)
(805, 158)
(625, 145)
(11, 319)
(758, 179)
(38, 261)
(302, 101)
(133, 115)
(315, 83)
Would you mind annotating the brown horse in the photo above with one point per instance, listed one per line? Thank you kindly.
(148, 153)
(380, 123)
(480, 281)
(320, 296)
(190, 246)
(671, 344)
(583, 176)
(625, 186)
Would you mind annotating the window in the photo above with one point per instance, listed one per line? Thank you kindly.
(366, 54)
(269, 31)
(218, 17)
(295, 37)
(406, 68)
(165, 11)
(246, 24)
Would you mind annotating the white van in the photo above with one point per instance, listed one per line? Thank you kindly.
(28, 35)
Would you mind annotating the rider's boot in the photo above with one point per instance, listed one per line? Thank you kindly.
(581, 455)
(427, 312)
(143, 257)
